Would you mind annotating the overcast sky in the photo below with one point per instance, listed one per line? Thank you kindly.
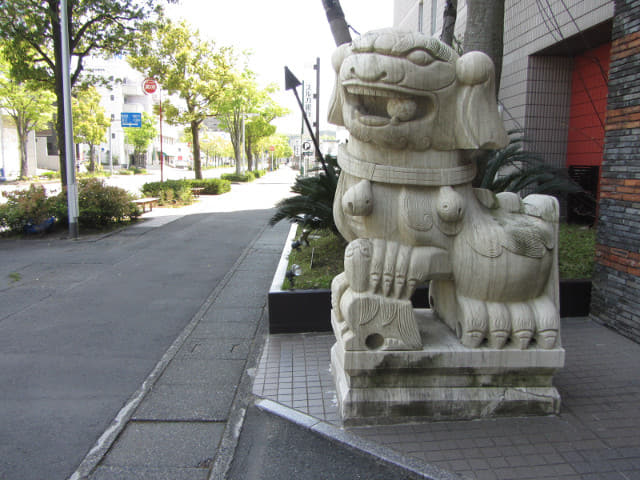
(282, 32)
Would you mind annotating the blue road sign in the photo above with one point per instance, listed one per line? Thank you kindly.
(131, 119)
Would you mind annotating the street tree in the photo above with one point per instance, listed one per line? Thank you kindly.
(259, 126)
(449, 21)
(29, 106)
(141, 137)
(337, 22)
(97, 27)
(193, 69)
(234, 109)
(90, 121)
(216, 147)
(484, 31)
(246, 111)
(277, 145)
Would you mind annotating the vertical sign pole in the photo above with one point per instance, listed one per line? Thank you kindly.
(317, 69)
(161, 153)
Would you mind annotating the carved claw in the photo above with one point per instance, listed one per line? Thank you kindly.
(547, 322)
(472, 326)
(522, 324)
(499, 324)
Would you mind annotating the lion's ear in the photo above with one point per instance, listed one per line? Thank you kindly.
(479, 124)
(337, 96)
(335, 105)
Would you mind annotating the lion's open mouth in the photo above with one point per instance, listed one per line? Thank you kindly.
(378, 107)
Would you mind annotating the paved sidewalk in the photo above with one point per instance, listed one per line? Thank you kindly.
(596, 436)
(185, 420)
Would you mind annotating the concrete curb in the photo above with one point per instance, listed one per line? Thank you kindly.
(231, 435)
(411, 467)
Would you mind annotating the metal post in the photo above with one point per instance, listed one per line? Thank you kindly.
(302, 165)
(316, 67)
(110, 149)
(3, 174)
(72, 186)
(161, 153)
(242, 152)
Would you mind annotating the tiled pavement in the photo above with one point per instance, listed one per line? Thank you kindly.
(596, 435)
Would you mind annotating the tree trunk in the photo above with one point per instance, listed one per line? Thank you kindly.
(24, 161)
(449, 21)
(92, 161)
(248, 152)
(337, 22)
(236, 142)
(195, 134)
(484, 31)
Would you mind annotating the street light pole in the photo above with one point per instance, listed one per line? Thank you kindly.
(72, 186)
(110, 147)
(242, 154)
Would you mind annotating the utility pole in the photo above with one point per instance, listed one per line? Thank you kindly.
(72, 186)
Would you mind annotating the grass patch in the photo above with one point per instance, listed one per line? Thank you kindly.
(576, 255)
(320, 261)
(576, 252)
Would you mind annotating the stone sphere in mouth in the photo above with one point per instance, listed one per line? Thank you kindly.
(401, 109)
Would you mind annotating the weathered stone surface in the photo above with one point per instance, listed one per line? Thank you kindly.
(416, 112)
(444, 380)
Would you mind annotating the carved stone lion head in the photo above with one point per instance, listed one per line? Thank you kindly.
(405, 90)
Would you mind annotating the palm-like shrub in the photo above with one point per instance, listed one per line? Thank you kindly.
(312, 207)
(513, 169)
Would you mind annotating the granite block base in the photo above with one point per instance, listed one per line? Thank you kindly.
(444, 380)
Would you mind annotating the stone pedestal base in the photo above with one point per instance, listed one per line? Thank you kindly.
(444, 380)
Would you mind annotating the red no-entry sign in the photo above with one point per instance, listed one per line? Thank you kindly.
(149, 85)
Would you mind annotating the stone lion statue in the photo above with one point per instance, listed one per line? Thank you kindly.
(416, 112)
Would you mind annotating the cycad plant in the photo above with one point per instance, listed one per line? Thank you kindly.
(513, 169)
(312, 207)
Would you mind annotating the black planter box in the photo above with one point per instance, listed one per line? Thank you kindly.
(298, 311)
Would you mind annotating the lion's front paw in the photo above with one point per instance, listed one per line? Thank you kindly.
(517, 323)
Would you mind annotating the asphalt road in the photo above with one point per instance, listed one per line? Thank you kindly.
(272, 448)
(82, 323)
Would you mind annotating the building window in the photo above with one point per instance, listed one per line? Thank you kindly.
(113, 97)
(420, 16)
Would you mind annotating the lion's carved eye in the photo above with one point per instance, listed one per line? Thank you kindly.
(420, 57)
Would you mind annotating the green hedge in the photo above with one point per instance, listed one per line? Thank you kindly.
(212, 186)
(234, 177)
(99, 205)
(169, 192)
(24, 207)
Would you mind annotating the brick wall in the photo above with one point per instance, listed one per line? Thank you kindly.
(616, 281)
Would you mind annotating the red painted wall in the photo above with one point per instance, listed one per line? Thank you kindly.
(585, 142)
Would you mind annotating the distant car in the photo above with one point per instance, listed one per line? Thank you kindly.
(181, 164)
